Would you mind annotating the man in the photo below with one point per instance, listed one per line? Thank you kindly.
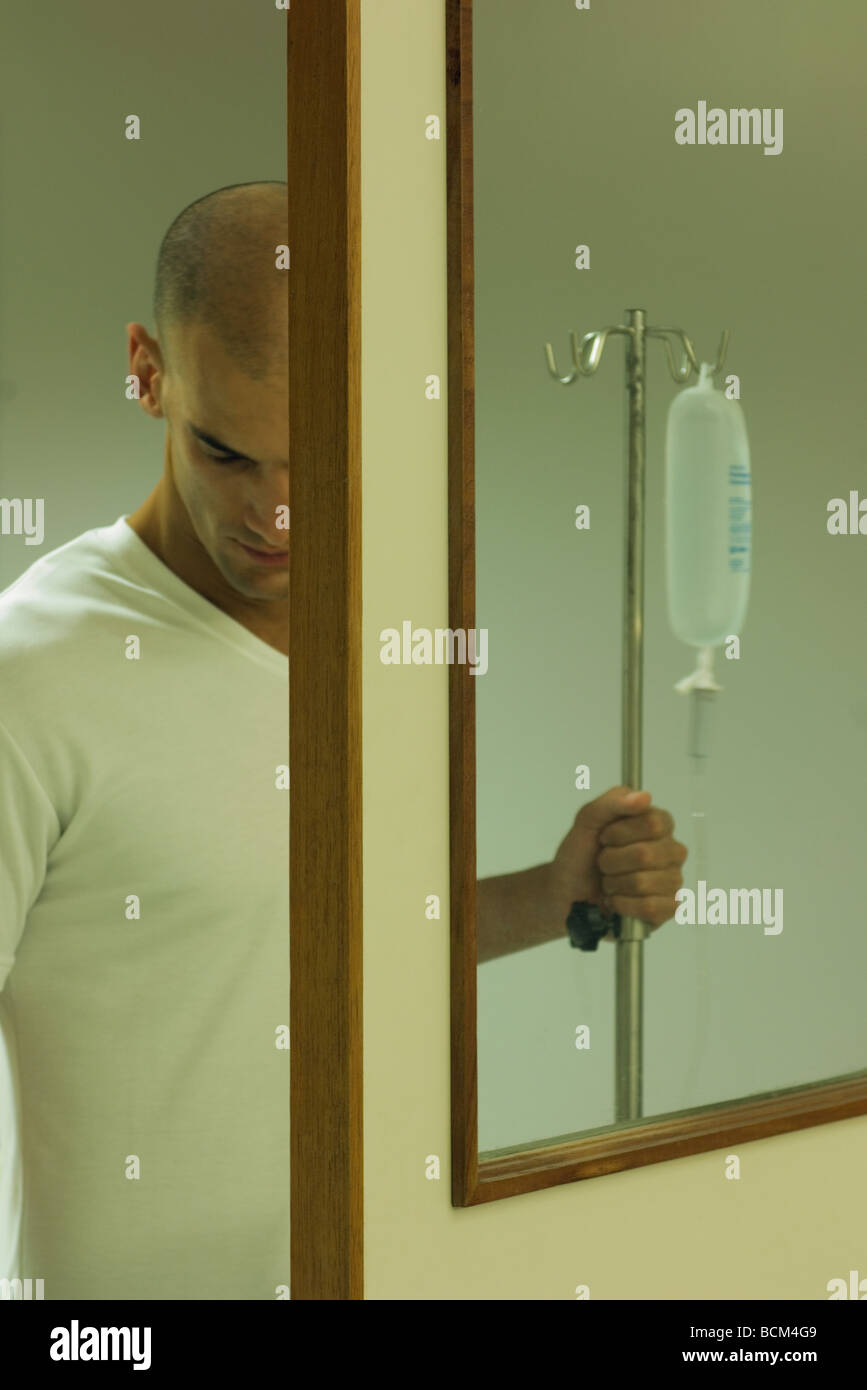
(144, 909)
(144, 906)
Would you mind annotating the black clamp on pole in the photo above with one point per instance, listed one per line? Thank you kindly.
(587, 924)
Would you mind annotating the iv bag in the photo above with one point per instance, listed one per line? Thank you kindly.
(708, 514)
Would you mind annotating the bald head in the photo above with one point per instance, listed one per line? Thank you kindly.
(217, 268)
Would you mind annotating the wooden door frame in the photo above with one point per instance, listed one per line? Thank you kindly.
(324, 178)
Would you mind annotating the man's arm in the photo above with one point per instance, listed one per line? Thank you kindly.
(28, 828)
(516, 911)
(619, 853)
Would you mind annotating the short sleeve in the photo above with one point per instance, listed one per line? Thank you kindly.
(28, 828)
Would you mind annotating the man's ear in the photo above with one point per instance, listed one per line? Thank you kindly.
(145, 363)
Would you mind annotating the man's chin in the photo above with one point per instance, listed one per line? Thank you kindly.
(268, 583)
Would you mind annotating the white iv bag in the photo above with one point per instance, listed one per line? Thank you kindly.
(708, 497)
(708, 515)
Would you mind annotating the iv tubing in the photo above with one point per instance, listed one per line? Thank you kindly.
(702, 698)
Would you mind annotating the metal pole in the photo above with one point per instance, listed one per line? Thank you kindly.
(629, 990)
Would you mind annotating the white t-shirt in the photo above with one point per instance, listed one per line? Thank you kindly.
(144, 934)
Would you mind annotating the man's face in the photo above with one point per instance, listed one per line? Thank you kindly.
(232, 502)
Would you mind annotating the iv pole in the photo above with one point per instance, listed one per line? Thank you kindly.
(629, 990)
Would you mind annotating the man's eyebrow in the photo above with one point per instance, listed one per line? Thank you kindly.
(212, 442)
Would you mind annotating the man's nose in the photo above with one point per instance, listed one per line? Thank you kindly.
(271, 523)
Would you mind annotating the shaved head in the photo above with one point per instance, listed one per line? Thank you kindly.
(216, 268)
(217, 372)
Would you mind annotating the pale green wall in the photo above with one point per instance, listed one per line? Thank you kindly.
(676, 1230)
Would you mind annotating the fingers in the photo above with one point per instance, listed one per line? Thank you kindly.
(639, 865)
(652, 824)
(643, 885)
(649, 854)
(654, 911)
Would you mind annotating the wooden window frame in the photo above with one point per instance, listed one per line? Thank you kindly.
(524, 1168)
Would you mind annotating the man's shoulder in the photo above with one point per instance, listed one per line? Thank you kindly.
(51, 598)
(50, 672)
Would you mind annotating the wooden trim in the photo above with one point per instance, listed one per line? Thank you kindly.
(462, 596)
(524, 1168)
(324, 173)
(673, 1136)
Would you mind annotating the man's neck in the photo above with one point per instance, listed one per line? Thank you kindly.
(181, 551)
